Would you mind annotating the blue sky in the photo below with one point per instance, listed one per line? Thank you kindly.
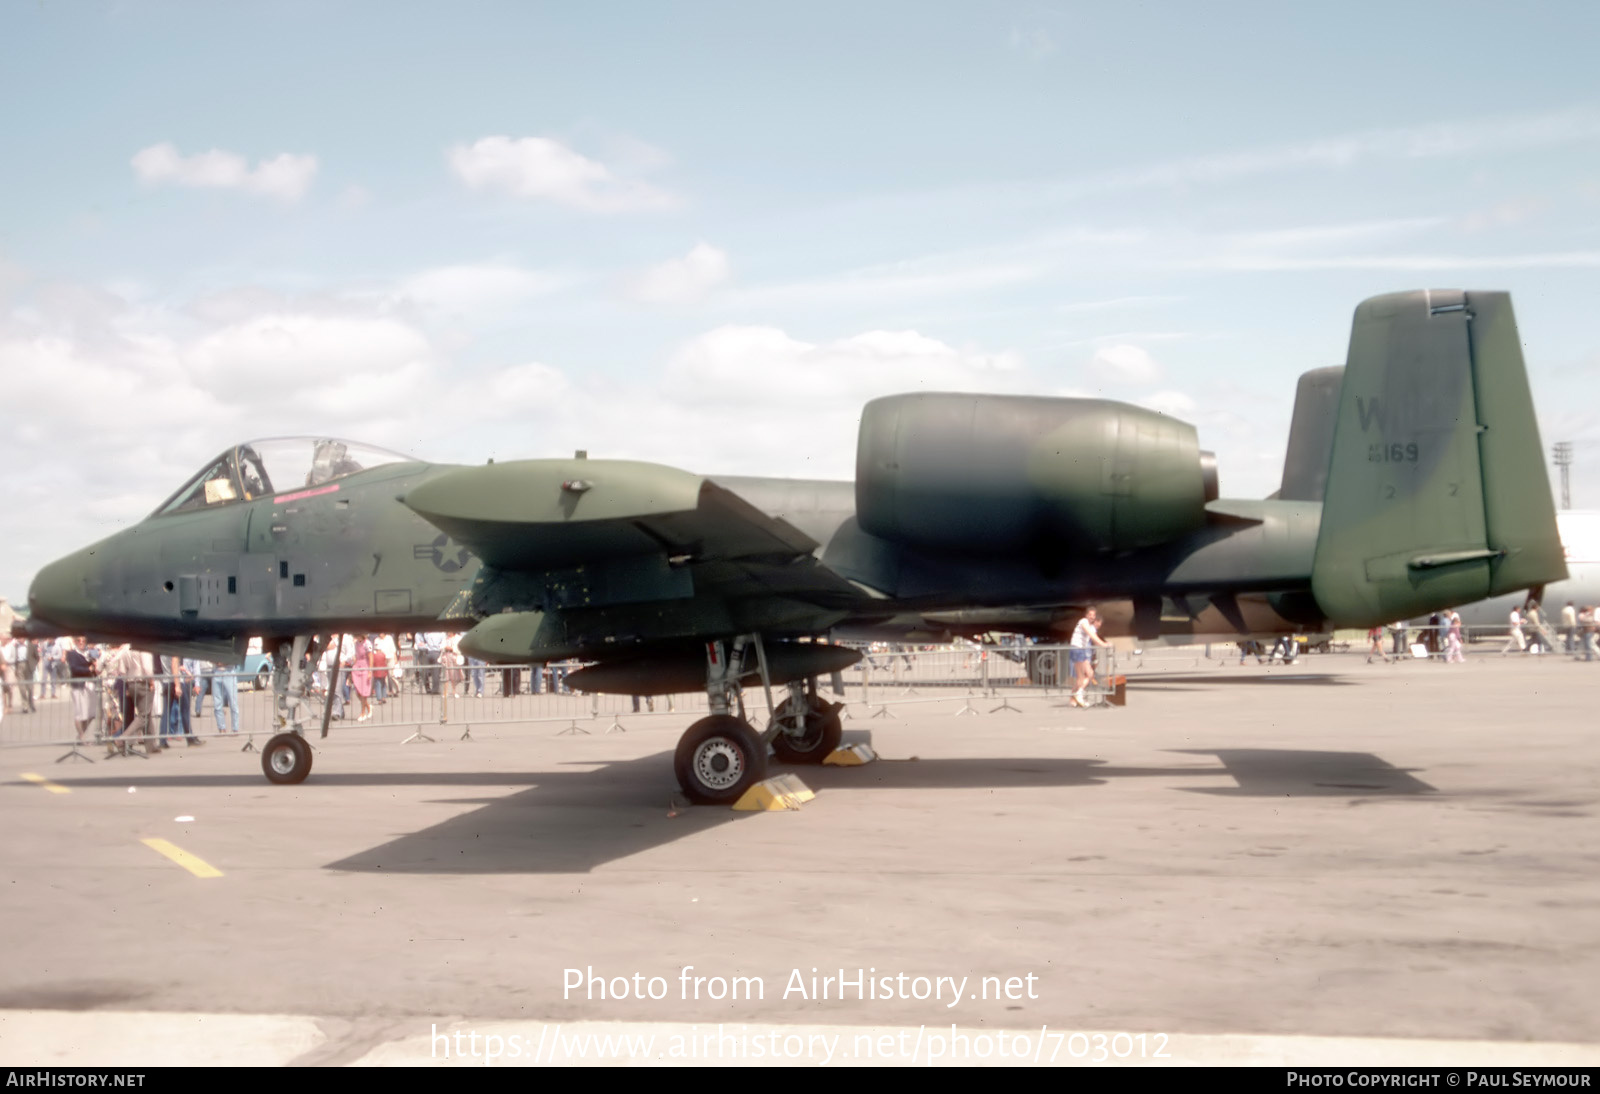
(705, 233)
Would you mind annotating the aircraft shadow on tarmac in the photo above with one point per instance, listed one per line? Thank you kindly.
(574, 822)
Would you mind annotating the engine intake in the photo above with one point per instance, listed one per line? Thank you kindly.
(989, 473)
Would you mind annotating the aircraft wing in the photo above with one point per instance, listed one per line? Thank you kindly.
(600, 533)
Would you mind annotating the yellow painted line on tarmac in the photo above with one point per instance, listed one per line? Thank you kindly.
(196, 865)
(40, 780)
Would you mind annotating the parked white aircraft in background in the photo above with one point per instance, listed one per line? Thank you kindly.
(1580, 537)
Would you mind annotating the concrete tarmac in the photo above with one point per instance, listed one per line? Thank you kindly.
(1334, 853)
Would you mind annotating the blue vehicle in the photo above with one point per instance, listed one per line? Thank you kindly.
(256, 672)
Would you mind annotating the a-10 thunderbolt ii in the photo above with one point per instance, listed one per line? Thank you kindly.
(985, 511)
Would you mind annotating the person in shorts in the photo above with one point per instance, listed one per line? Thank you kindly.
(1085, 637)
(81, 669)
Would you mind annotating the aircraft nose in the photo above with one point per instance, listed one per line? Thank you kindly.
(59, 592)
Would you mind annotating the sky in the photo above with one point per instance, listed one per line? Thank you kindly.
(704, 234)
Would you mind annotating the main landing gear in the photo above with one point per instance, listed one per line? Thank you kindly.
(806, 727)
(721, 756)
(718, 759)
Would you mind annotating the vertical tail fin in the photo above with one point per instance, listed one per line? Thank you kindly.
(1436, 491)
(1316, 410)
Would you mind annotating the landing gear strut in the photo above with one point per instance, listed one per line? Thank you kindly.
(720, 756)
(290, 678)
(806, 727)
(286, 757)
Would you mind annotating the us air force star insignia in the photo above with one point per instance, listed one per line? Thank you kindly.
(435, 553)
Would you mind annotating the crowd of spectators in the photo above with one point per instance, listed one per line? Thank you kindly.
(142, 701)
(377, 667)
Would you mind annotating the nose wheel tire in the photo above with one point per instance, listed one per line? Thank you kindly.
(821, 735)
(286, 759)
(718, 759)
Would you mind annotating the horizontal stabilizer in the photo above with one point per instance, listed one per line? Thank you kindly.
(1239, 510)
(1451, 558)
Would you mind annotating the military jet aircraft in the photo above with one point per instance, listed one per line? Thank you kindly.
(973, 511)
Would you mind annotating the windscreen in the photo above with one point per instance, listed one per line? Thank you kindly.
(274, 466)
(281, 464)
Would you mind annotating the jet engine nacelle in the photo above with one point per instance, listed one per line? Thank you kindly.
(989, 473)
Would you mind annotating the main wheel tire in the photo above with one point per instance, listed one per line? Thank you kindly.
(286, 759)
(718, 759)
(823, 731)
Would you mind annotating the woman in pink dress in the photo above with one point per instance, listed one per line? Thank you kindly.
(361, 676)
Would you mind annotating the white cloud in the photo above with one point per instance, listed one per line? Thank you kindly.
(682, 280)
(161, 389)
(285, 176)
(941, 275)
(478, 290)
(538, 168)
(1124, 364)
(765, 365)
(327, 364)
(530, 389)
(752, 400)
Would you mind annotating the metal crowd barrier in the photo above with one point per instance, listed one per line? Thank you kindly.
(450, 698)
(112, 705)
(460, 697)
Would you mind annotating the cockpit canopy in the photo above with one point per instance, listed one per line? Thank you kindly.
(276, 465)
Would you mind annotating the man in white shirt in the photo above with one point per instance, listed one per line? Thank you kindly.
(19, 678)
(8, 670)
(428, 647)
(137, 670)
(1516, 639)
(1085, 637)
